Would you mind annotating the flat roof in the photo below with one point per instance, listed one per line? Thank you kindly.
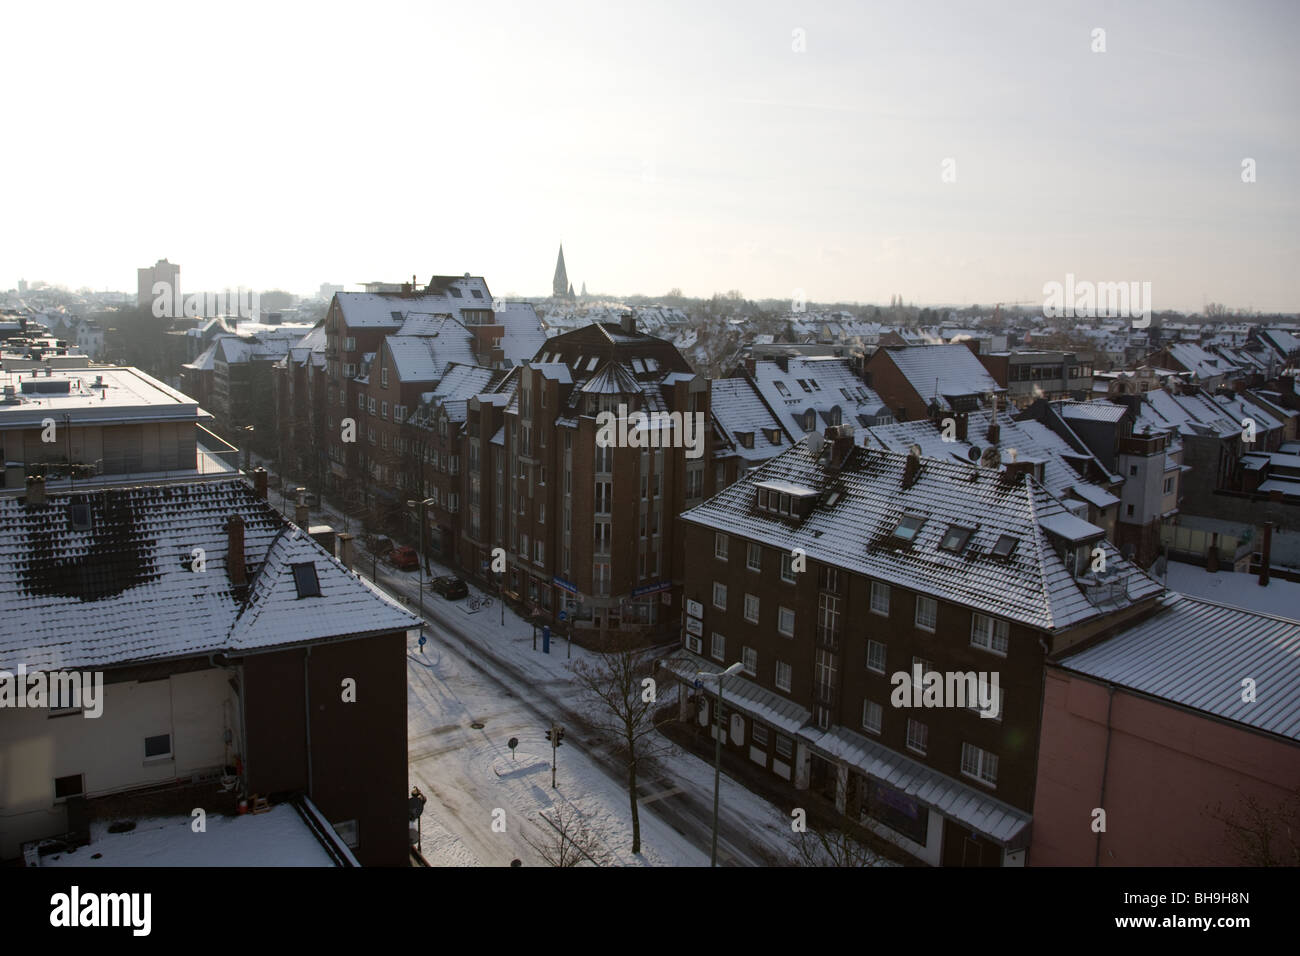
(94, 395)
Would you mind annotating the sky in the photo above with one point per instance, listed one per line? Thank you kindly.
(782, 149)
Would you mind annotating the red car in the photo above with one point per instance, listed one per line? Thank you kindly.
(404, 558)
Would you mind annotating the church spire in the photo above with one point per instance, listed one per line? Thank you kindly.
(560, 285)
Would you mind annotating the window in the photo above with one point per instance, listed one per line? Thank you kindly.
(539, 552)
(759, 733)
(787, 569)
(70, 786)
(989, 633)
(604, 497)
(1004, 546)
(751, 608)
(749, 660)
(718, 646)
(350, 344)
(828, 578)
(983, 692)
(305, 580)
(1129, 513)
(918, 736)
(879, 598)
(955, 539)
(785, 621)
(980, 764)
(720, 546)
(383, 377)
(754, 557)
(158, 747)
(719, 596)
(783, 676)
(871, 714)
(1132, 470)
(383, 409)
(1169, 486)
(784, 747)
(347, 831)
(908, 527)
(361, 402)
(875, 656)
(927, 613)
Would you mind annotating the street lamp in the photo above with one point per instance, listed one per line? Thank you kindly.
(735, 668)
(423, 560)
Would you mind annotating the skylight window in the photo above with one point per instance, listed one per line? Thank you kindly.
(908, 527)
(1005, 545)
(956, 539)
(815, 386)
(304, 578)
(455, 293)
(591, 364)
(780, 387)
(803, 384)
(476, 293)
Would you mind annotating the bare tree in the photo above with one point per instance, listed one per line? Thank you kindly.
(566, 840)
(1262, 834)
(613, 680)
(833, 847)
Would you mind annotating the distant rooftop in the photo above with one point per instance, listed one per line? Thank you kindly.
(97, 394)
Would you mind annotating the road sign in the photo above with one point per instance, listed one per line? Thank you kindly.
(562, 616)
(423, 639)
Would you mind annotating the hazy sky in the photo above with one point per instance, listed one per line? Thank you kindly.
(666, 144)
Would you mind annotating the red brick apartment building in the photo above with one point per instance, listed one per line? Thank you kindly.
(910, 561)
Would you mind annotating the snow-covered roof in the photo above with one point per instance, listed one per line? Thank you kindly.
(1000, 822)
(424, 358)
(1195, 652)
(1092, 411)
(126, 591)
(1198, 361)
(819, 384)
(738, 409)
(857, 533)
(937, 372)
(769, 707)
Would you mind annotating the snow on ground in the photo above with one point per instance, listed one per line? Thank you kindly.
(467, 772)
(278, 837)
(1240, 590)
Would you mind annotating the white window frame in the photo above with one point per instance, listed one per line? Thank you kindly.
(918, 742)
(883, 656)
(719, 590)
(787, 565)
(718, 647)
(871, 709)
(987, 637)
(783, 668)
(720, 545)
(781, 616)
(979, 764)
(926, 622)
(751, 608)
(753, 550)
(877, 606)
(749, 661)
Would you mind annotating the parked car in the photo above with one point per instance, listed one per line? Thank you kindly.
(404, 558)
(453, 589)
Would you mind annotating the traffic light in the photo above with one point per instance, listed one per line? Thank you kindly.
(548, 735)
(559, 736)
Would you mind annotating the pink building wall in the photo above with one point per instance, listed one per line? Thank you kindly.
(1168, 768)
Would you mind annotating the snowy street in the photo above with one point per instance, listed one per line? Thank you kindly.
(477, 684)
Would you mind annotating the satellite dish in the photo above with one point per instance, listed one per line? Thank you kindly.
(973, 453)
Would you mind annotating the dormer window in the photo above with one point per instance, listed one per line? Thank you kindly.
(908, 528)
(746, 439)
(773, 435)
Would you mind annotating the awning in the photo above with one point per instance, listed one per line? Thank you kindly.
(998, 821)
(741, 694)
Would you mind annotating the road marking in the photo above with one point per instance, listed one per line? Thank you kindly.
(661, 796)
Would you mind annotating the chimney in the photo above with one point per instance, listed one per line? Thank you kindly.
(963, 423)
(629, 322)
(345, 549)
(36, 490)
(1212, 556)
(912, 467)
(235, 551)
(259, 482)
(840, 439)
(1266, 555)
(994, 433)
(301, 515)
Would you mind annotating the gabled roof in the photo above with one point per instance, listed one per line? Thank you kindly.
(126, 590)
(857, 533)
(937, 372)
(818, 383)
(425, 357)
